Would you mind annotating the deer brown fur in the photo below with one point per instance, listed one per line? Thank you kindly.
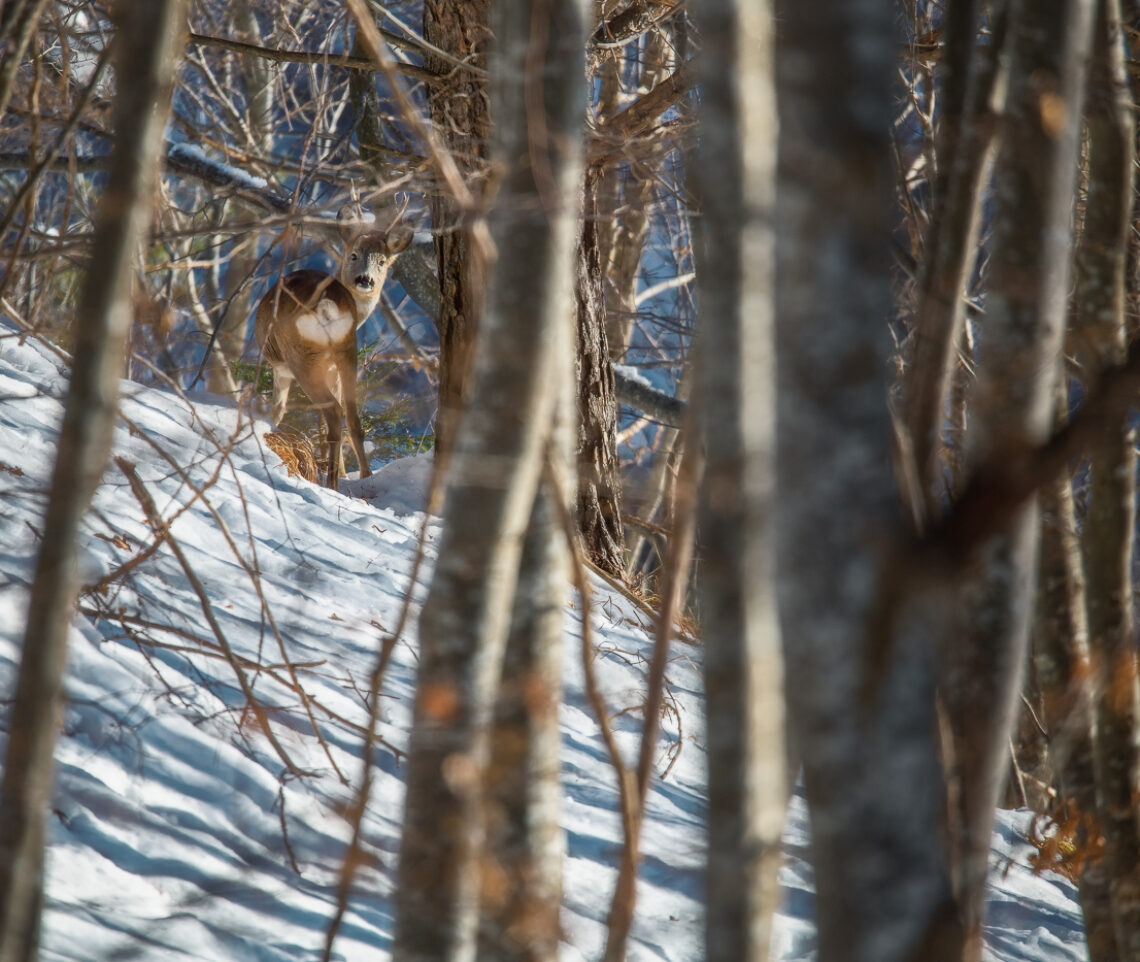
(306, 328)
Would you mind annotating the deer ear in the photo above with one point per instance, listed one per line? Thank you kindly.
(399, 237)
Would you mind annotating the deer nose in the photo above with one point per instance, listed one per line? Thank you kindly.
(364, 282)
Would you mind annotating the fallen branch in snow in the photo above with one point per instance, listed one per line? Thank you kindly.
(199, 645)
(130, 564)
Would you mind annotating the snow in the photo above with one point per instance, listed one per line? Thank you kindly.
(177, 832)
(192, 156)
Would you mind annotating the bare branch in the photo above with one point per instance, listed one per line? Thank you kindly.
(317, 57)
(162, 529)
(630, 23)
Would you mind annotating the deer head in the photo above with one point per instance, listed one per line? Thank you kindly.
(306, 329)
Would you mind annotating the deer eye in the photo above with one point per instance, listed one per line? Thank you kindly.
(354, 256)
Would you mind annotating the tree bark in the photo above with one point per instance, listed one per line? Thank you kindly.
(1026, 308)
(870, 765)
(496, 461)
(1107, 537)
(460, 114)
(599, 467)
(1060, 661)
(736, 398)
(521, 877)
(963, 150)
(148, 35)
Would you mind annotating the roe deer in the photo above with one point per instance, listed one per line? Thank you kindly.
(306, 329)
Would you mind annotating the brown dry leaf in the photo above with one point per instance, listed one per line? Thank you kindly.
(295, 452)
(1074, 842)
(118, 540)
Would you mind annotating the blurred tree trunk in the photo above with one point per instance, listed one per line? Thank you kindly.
(521, 876)
(148, 35)
(870, 764)
(1026, 308)
(736, 398)
(1100, 340)
(965, 134)
(1060, 661)
(521, 365)
(461, 117)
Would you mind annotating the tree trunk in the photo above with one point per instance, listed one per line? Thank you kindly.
(522, 872)
(1107, 537)
(497, 454)
(232, 326)
(460, 115)
(599, 467)
(965, 137)
(1026, 306)
(748, 789)
(1060, 661)
(148, 35)
(870, 765)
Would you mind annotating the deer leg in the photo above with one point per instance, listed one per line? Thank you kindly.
(318, 380)
(282, 381)
(346, 371)
(335, 431)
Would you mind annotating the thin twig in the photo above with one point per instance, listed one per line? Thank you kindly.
(387, 648)
(254, 577)
(444, 163)
(626, 778)
(673, 591)
(160, 527)
(315, 57)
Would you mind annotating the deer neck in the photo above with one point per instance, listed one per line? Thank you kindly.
(365, 303)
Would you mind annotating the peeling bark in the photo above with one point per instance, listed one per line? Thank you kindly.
(599, 467)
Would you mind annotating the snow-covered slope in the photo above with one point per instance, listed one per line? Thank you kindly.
(179, 831)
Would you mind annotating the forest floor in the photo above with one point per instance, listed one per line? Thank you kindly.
(180, 832)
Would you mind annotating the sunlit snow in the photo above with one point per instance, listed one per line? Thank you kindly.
(177, 832)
